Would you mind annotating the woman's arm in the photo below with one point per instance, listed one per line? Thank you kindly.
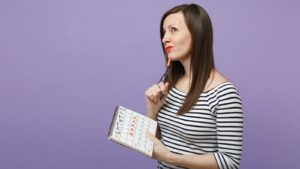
(229, 118)
(206, 161)
(161, 153)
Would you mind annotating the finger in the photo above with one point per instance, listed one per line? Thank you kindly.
(162, 87)
(153, 98)
(156, 98)
(154, 93)
(149, 92)
(161, 84)
(158, 87)
(152, 137)
(166, 86)
(157, 93)
(148, 95)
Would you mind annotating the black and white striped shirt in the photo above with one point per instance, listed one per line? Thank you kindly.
(213, 125)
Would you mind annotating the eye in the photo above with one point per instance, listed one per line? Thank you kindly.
(173, 29)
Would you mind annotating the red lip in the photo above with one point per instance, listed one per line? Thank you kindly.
(168, 48)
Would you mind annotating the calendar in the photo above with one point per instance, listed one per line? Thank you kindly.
(129, 128)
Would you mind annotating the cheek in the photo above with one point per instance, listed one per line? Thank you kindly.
(185, 44)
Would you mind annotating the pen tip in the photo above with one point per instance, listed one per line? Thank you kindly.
(169, 61)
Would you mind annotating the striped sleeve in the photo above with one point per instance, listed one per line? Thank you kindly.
(229, 119)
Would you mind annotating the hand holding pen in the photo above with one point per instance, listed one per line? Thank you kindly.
(156, 95)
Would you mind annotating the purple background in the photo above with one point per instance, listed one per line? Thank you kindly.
(66, 64)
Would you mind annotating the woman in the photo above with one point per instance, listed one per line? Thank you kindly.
(199, 112)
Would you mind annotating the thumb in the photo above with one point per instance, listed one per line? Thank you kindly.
(152, 137)
(166, 86)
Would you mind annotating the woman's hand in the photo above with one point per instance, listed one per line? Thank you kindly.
(160, 152)
(155, 97)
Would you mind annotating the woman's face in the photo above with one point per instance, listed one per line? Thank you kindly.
(177, 38)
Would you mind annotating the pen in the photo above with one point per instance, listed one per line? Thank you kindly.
(164, 76)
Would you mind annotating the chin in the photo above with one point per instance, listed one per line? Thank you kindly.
(173, 57)
(176, 58)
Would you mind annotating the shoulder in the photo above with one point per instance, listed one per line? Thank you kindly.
(216, 79)
(222, 87)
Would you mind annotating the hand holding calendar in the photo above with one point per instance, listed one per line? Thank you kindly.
(129, 129)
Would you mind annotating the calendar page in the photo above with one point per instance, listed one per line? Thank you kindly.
(129, 129)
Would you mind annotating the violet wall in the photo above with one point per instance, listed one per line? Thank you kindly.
(65, 65)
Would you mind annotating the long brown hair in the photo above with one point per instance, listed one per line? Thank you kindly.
(202, 60)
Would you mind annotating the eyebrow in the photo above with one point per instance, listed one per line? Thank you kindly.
(169, 26)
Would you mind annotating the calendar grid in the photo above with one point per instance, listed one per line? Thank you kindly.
(129, 129)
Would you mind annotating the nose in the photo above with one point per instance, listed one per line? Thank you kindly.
(166, 39)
